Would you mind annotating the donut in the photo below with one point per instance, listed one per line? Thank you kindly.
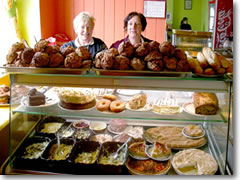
(109, 97)
(117, 106)
(103, 105)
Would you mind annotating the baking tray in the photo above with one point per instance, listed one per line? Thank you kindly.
(46, 70)
(84, 168)
(22, 162)
(140, 73)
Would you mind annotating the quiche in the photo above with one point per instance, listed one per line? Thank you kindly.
(138, 150)
(172, 137)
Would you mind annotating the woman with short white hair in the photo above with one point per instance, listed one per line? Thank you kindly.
(83, 25)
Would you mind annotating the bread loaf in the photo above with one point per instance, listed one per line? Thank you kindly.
(194, 65)
(202, 60)
(211, 58)
(224, 62)
(205, 103)
(209, 71)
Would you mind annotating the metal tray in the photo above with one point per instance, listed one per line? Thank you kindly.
(140, 73)
(35, 70)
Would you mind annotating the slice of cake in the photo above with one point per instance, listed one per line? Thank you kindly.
(35, 98)
(138, 101)
(160, 150)
(166, 106)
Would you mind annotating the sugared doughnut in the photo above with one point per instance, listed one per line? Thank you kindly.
(103, 105)
(117, 106)
(110, 97)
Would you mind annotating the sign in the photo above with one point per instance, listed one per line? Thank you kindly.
(155, 8)
(223, 22)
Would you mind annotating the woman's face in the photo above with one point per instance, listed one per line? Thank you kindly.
(134, 27)
(85, 31)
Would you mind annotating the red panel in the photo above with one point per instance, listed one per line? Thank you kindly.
(89, 6)
(119, 18)
(109, 22)
(151, 28)
(160, 30)
(99, 19)
(130, 6)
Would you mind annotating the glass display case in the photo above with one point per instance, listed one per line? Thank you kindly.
(191, 40)
(25, 119)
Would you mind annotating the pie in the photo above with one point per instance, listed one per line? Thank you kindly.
(159, 150)
(194, 162)
(172, 137)
(194, 130)
(137, 149)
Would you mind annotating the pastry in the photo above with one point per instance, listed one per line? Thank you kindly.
(76, 98)
(107, 61)
(41, 45)
(137, 64)
(126, 49)
(137, 149)
(73, 60)
(138, 101)
(167, 48)
(205, 103)
(166, 106)
(40, 59)
(67, 50)
(194, 162)
(121, 63)
(154, 45)
(193, 130)
(35, 98)
(27, 55)
(55, 60)
(155, 65)
(82, 51)
(159, 150)
(202, 60)
(211, 57)
(143, 49)
(154, 55)
(52, 49)
(172, 137)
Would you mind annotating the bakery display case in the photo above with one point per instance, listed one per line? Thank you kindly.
(45, 114)
(191, 40)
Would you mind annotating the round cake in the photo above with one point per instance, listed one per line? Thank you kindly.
(76, 98)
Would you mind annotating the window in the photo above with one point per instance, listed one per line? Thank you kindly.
(211, 17)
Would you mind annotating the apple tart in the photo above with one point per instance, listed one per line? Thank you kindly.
(172, 137)
(194, 162)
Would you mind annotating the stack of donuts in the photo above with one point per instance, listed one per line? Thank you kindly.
(110, 103)
(45, 55)
(143, 56)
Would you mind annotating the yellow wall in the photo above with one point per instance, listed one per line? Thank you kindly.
(29, 20)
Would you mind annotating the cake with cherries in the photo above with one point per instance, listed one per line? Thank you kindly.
(76, 98)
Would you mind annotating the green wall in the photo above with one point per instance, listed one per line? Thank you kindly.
(197, 17)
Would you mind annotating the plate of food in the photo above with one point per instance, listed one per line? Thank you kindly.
(190, 109)
(147, 167)
(194, 162)
(193, 131)
(158, 152)
(137, 150)
(48, 102)
(147, 107)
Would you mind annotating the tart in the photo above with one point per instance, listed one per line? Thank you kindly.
(172, 136)
(194, 130)
(159, 150)
(194, 162)
(137, 150)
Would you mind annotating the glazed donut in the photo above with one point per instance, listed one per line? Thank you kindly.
(109, 97)
(117, 106)
(103, 105)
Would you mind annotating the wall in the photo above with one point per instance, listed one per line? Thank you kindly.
(197, 17)
(57, 17)
(29, 20)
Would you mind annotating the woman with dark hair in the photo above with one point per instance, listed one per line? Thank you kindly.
(184, 24)
(134, 24)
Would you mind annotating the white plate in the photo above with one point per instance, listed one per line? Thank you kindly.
(128, 92)
(189, 108)
(147, 151)
(193, 137)
(147, 107)
(74, 110)
(137, 157)
(49, 102)
(114, 132)
(110, 112)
